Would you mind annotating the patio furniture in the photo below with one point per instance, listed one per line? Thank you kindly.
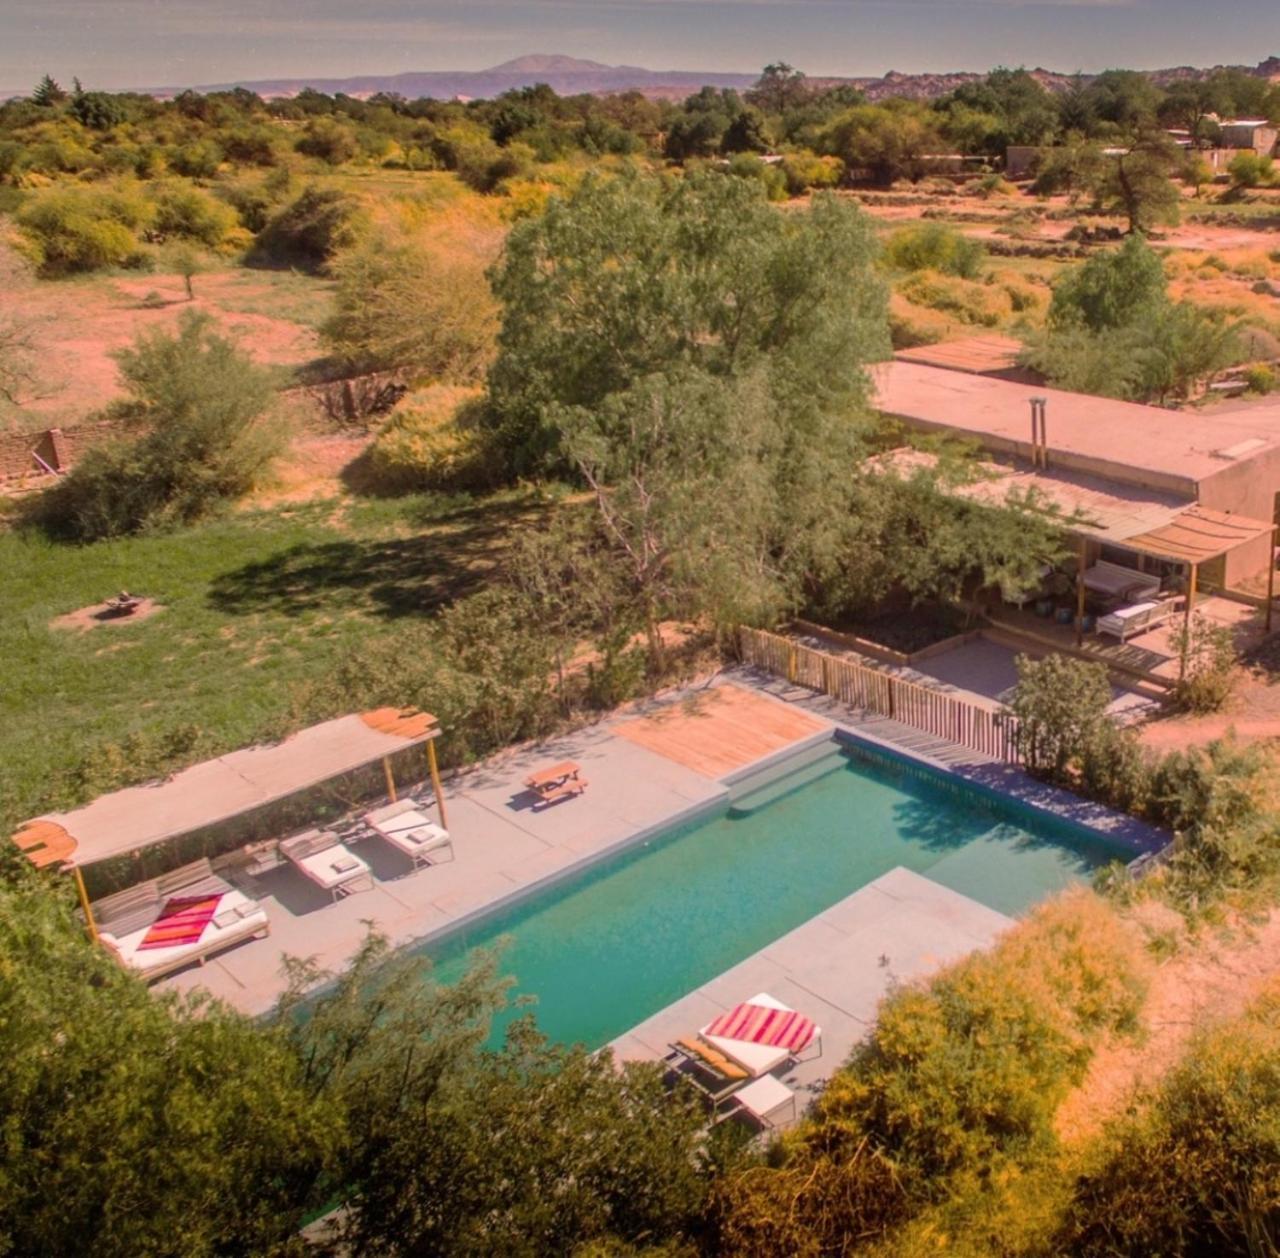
(764, 1100)
(560, 781)
(125, 920)
(410, 831)
(1125, 622)
(773, 1045)
(1114, 580)
(708, 1069)
(328, 863)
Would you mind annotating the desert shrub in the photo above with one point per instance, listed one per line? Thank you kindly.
(1260, 378)
(431, 442)
(992, 185)
(1060, 704)
(1251, 170)
(1196, 1170)
(183, 210)
(83, 229)
(770, 177)
(329, 140)
(199, 160)
(415, 303)
(805, 171)
(935, 247)
(1210, 652)
(965, 300)
(310, 230)
(202, 403)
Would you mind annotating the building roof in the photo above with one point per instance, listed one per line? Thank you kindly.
(978, 354)
(219, 789)
(1171, 451)
(1102, 510)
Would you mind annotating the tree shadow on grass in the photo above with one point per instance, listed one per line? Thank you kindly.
(393, 577)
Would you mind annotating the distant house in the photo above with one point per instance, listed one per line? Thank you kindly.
(1250, 133)
(1173, 462)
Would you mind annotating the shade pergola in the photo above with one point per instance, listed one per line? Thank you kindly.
(1196, 535)
(224, 788)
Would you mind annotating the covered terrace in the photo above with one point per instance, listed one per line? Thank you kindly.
(217, 810)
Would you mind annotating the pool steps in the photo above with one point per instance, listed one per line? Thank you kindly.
(815, 765)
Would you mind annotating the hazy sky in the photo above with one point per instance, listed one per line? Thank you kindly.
(117, 43)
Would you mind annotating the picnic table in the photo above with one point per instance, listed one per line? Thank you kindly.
(559, 781)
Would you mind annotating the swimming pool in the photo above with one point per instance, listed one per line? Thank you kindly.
(615, 943)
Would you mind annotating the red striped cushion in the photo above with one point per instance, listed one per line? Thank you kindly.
(181, 921)
(758, 1024)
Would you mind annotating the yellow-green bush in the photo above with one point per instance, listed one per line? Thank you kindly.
(85, 229)
(429, 443)
(977, 304)
(1197, 1169)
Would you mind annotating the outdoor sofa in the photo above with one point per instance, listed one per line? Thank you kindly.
(124, 919)
(410, 831)
(322, 857)
(1126, 622)
(1113, 580)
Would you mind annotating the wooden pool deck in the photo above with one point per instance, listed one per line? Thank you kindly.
(719, 731)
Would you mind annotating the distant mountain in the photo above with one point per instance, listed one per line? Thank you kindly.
(571, 75)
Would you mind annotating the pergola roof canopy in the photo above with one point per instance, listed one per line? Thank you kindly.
(1197, 535)
(220, 789)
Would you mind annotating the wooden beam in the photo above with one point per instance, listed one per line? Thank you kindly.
(391, 782)
(1186, 623)
(435, 782)
(1271, 579)
(84, 904)
(1080, 594)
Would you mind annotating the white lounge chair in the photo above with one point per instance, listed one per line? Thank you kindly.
(1126, 622)
(757, 1059)
(321, 857)
(124, 919)
(409, 830)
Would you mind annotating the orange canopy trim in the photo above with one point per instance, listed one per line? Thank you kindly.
(402, 722)
(44, 843)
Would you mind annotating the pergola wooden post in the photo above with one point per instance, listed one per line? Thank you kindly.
(90, 924)
(435, 780)
(1080, 593)
(1186, 623)
(1271, 578)
(391, 782)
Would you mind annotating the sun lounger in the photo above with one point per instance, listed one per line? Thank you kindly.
(124, 920)
(1113, 580)
(1126, 622)
(708, 1069)
(327, 862)
(409, 830)
(758, 1059)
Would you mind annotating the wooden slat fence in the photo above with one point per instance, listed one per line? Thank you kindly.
(874, 690)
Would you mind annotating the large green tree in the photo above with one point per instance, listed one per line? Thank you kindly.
(635, 276)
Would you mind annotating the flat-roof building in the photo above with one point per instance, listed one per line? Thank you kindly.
(1226, 461)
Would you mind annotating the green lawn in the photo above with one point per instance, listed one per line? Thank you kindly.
(253, 605)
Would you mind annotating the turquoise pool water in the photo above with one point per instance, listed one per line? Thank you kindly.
(619, 941)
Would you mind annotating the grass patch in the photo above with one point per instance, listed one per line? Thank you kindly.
(254, 605)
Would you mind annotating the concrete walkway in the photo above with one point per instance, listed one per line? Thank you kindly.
(836, 968)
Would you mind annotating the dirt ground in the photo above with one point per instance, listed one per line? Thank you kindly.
(1203, 983)
(79, 324)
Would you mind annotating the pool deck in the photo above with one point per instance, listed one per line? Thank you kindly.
(505, 850)
(835, 968)
(639, 766)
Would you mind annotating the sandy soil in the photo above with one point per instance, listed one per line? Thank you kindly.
(100, 616)
(1213, 980)
(81, 323)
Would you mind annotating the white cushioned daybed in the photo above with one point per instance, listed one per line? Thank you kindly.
(124, 919)
(409, 830)
(1114, 580)
(1125, 622)
(756, 1059)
